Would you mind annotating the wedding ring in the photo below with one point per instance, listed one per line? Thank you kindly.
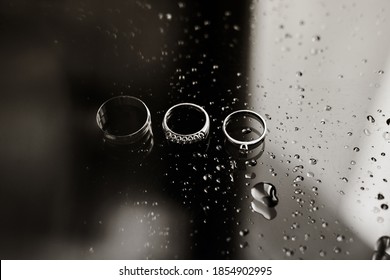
(187, 130)
(245, 145)
(124, 120)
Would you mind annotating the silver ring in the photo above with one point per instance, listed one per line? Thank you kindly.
(191, 138)
(124, 120)
(244, 145)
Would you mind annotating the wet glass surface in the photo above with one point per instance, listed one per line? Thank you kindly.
(316, 188)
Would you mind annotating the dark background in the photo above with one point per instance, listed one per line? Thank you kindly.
(60, 61)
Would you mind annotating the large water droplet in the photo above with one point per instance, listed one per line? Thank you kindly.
(265, 200)
(265, 193)
(383, 244)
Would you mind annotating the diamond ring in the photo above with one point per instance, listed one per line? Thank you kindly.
(186, 123)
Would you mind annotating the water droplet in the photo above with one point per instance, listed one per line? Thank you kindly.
(328, 108)
(340, 238)
(384, 206)
(373, 159)
(349, 133)
(337, 250)
(302, 248)
(344, 179)
(289, 253)
(383, 154)
(91, 250)
(382, 245)
(244, 245)
(299, 74)
(381, 72)
(380, 196)
(324, 224)
(252, 162)
(380, 220)
(388, 121)
(246, 130)
(313, 161)
(297, 168)
(265, 193)
(296, 156)
(353, 162)
(370, 119)
(322, 253)
(250, 175)
(356, 149)
(310, 174)
(244, 232)
(367, 132)
(265, 200)
(386, 135)
(299, 179)
(316, 38)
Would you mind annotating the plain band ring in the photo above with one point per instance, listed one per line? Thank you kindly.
(191, 138)
(244, 145)
(110, 106)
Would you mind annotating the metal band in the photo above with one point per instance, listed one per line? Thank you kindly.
(184, 139)
(244, 145)
(103, 115)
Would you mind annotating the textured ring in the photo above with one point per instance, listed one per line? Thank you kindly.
(184, 139)
(244, 145)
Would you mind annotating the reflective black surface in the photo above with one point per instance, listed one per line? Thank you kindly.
(66, 194)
